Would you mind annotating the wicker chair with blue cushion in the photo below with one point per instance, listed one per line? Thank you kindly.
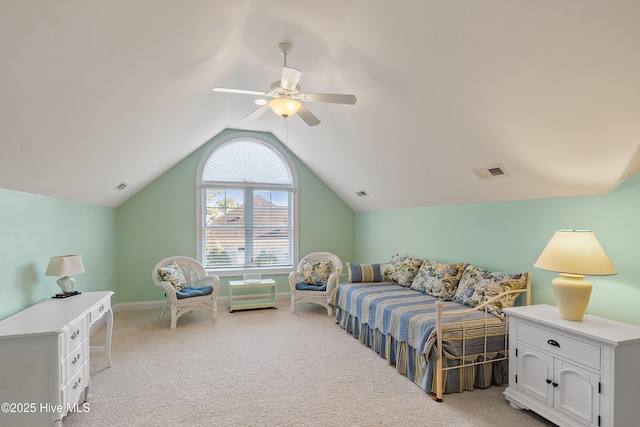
(315, 278)
(186, 286)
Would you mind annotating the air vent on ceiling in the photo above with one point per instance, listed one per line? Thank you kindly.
(494, 171)
(121, 186)
(361, 193)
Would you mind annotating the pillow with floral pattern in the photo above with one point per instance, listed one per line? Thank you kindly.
(478, 285)
(402, 270)
(173, 274)
(438, 279)
(316, 273)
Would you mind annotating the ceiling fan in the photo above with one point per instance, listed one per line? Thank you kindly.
(286, 95)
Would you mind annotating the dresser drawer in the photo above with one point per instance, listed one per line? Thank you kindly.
(560, 345)
(74, 388)
(76, 333)
(100, 309)
(75, 360)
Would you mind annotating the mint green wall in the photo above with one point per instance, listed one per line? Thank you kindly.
(509, 236)
(160, 221)
(34, 228)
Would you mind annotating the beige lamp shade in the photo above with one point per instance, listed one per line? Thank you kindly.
(574, 253)
(64, 265)
(285, 107)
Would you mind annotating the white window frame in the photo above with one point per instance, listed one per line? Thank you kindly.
(202, 185)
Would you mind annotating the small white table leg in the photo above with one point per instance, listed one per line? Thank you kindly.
(108, 339)
(107, 347)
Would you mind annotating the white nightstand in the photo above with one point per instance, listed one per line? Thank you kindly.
(573, 373)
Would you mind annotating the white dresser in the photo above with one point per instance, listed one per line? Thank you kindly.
(573, 373)
(44, 358)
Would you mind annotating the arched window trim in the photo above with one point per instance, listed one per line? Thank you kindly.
(202, 185)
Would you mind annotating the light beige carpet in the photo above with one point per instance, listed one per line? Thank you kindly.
(265, 368)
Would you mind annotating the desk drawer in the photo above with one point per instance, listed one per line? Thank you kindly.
(76, 359)
(76, 333)
(74, 388)
(554, 342)
(100, 309)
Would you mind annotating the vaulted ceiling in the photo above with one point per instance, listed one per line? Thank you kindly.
(94, 93)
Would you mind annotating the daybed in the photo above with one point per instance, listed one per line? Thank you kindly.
(440, 324)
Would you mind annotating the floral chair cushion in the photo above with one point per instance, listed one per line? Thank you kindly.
(174, 275)
(316, 273)
(364, 273)
(402, 270)
(478, 285)
(438, 279)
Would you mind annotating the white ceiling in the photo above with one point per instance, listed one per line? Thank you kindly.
(95, 92)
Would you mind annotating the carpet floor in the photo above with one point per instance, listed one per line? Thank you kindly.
(265, 368)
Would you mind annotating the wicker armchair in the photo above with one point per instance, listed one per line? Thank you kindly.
(312, 295)
(193, 272)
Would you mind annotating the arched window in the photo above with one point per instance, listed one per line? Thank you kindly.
(247, 195)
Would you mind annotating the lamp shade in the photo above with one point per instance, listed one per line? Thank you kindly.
(575, 252)
(64, 265)
(285, 107)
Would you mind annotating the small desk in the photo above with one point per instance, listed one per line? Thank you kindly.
(44, 357)
(248, 303)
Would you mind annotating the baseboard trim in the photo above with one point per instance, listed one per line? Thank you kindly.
(135, 306)
(156, 305)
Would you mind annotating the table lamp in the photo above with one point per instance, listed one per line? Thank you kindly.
(64, 266)
(574, 254)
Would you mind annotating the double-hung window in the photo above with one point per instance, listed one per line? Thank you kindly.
(247, 192)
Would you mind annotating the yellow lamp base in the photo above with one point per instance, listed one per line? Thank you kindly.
(572, 293)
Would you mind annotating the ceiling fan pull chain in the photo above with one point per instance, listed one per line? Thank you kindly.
(286, 127)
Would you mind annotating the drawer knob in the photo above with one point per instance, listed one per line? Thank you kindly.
(548, 381)
(555, 384)
(76, 359)
(553, 343)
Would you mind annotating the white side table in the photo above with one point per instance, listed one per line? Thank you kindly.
(575, 374)
(264, 285)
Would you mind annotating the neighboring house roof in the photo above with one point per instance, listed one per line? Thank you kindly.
(275, 218)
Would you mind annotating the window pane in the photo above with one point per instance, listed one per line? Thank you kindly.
(224, 228)
(272, 230)
(235, 234)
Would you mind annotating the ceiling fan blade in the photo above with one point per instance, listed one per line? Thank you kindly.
(329, 97)
(241, 91)
(308, 116)
(257, 113)
(290, 78)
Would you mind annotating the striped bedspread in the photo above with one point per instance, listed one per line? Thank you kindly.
(410, 316)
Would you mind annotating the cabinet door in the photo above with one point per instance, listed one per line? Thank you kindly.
(577, 393)
(535, 373)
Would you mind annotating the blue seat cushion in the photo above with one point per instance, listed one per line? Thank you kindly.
(301, 286)
(194, 292)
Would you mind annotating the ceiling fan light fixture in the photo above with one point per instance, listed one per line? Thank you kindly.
(285, 107)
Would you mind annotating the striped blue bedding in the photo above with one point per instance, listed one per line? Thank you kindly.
(400, 324)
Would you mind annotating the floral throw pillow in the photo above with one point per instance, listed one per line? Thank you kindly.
(316, 273)
(402, 270)
(438, 279)
(478, 285)
(174, 275)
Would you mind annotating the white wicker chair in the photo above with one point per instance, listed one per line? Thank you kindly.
(312, 296)
(193, 272)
